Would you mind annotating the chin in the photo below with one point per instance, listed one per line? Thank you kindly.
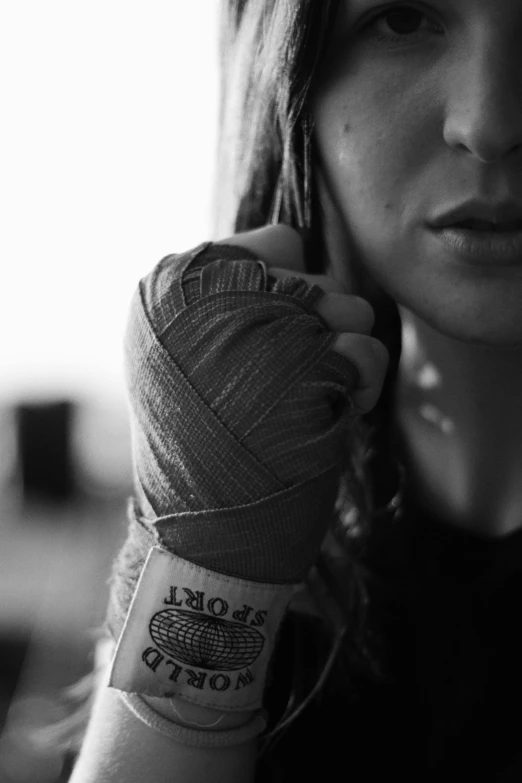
(488, 327)
(490, 332)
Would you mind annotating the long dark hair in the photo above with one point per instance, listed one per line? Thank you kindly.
(271, 53)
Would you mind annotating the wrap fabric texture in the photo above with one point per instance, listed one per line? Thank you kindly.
(240, 414)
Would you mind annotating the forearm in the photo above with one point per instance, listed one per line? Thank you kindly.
(121, 748)
(207, 571)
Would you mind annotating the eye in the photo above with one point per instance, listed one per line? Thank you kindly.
(400, 24)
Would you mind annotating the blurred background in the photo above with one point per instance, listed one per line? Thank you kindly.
(108, 135)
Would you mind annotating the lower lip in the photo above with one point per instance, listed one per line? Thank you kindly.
(487, 248)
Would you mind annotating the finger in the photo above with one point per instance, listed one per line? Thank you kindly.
(279, 245)
(371, 358)
(341, 311)
(346, 313)
(327, 283)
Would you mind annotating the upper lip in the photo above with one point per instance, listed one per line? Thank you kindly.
(501, 212)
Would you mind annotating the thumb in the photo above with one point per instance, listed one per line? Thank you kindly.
(277, 245)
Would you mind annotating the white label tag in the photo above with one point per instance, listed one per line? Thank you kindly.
(199, 635)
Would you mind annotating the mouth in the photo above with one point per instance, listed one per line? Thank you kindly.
(483, 243)
(473, 224)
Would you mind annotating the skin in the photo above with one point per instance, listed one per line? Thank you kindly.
(403, 131)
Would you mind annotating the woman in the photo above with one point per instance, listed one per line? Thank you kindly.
(391, 136)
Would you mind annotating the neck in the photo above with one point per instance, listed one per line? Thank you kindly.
(459, 413)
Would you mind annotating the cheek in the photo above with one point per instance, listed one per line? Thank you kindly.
(362, 162)
(372, 162)
(374, 139)
(365, 190)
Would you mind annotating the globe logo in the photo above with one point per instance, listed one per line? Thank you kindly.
(206, 642)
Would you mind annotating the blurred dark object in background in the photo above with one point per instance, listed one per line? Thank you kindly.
(44, 438)
(12, 657)
(65, 475)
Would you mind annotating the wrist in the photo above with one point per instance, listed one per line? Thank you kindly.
(199, 637)
(196, 715)
(200, 736)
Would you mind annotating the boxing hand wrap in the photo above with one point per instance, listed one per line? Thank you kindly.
(199, 635)
(240, 412)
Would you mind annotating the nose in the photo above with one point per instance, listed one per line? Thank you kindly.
(484, 106)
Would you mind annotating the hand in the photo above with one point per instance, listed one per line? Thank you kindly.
(352, 317)
(242, 415)
(241, 411)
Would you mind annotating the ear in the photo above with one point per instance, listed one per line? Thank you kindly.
(278, 245)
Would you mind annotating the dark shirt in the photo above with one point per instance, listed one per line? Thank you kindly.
(446, 604)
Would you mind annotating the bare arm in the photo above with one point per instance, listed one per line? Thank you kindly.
(120, 748)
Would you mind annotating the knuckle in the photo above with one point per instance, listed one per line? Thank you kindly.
(380, 351)
(364, 310)
(347, 313)
(364, 306)
(352, 341)
(330, 284)
(275, 244)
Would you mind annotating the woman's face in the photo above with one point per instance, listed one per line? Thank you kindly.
(419, 109)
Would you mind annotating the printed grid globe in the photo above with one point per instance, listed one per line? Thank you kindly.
(206, 642)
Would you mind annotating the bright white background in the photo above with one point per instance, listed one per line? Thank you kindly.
(108, 116)
(107, 144)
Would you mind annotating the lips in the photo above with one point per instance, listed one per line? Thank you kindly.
(482, 244)
(481, 216)
(474, 224)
